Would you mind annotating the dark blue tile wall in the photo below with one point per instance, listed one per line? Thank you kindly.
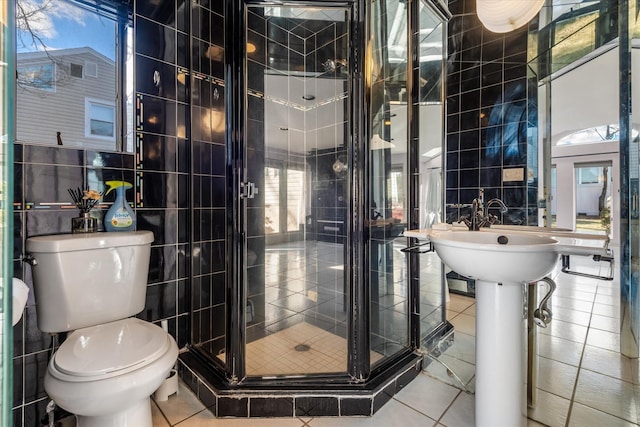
(487, 116)
(160, 170)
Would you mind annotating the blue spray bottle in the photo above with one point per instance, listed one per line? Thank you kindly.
(120, 216)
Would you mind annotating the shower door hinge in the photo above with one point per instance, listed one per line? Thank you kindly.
(248, 190)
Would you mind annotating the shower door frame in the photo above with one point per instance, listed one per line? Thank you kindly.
(357, 265)
(357, 369)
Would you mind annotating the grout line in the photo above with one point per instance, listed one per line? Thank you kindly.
(449, 407)
(584, 346)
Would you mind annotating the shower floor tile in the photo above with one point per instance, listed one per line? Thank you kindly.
(300, 349)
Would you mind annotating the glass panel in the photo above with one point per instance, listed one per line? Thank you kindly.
(388, 153)
(431, 113)
(630, 197)
(296, 154)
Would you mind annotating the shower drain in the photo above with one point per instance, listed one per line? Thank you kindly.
(302, 347)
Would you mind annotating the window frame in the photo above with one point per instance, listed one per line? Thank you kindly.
(88, 103)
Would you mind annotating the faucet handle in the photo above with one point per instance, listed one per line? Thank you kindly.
(465, 219)
(491, 219)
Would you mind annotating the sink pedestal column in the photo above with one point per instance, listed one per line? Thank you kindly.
(500, 355)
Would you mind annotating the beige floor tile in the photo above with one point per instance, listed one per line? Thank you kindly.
(205, 419)
(440, 396)
(158, 419)
(606, 310)
(607, 394)
(566, 330)
(583, 416)
(471, 311)
(605, 323)
(459, 303)
(604, 339)
(613, 300)
(463, 347)
(461, 413)
(558, 302)
(452, 371)
(180, 406)
(556, 378)
(559, 349)
(570, 292)
(572, 316)
(551, 410)
(465, 324)
(393, 413)
(607, 362)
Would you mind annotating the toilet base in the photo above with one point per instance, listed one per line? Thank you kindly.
(137, 415)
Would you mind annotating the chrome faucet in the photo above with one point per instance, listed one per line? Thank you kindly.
(475, 220)
(480, 216)
(492, 219)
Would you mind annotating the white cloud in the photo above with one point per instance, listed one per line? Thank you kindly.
(40, 15)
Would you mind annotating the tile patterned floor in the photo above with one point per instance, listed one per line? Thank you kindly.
(583, 379)
(323, 352)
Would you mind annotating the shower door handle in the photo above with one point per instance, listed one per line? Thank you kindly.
(248, 190)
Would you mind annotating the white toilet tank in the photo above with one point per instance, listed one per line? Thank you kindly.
(82, 280)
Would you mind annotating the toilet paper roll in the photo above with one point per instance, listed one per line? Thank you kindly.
(20, 294)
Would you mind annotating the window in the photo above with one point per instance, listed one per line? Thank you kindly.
(72, 61)
(271, 200)
(284, 199)
(75, 70)
(37, 76)
(91, 69)
(589, 175)
(100, 119)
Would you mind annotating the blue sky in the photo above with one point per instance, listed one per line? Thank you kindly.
(67, 26)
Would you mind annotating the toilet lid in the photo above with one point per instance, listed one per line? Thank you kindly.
(111, 347)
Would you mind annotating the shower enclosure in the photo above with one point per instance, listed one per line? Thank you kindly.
(334, 118)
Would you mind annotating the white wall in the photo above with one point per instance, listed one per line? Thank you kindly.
(584, 97)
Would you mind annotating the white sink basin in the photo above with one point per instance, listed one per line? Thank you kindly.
(498, 256)
(501, 262)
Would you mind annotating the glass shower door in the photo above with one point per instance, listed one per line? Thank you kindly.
(296, 185)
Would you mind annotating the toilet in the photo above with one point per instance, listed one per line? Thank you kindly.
(92, 285)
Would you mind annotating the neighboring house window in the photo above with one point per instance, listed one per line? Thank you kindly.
(91, 69)
(75, 70)
(100, 119)
(38, 76)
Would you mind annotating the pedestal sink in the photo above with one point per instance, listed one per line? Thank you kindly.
(502, 263)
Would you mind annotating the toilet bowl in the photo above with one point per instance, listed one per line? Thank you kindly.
(110, 364)
(96, 376)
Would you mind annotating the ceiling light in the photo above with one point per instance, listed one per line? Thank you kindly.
(251, 47)
(502, 16)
